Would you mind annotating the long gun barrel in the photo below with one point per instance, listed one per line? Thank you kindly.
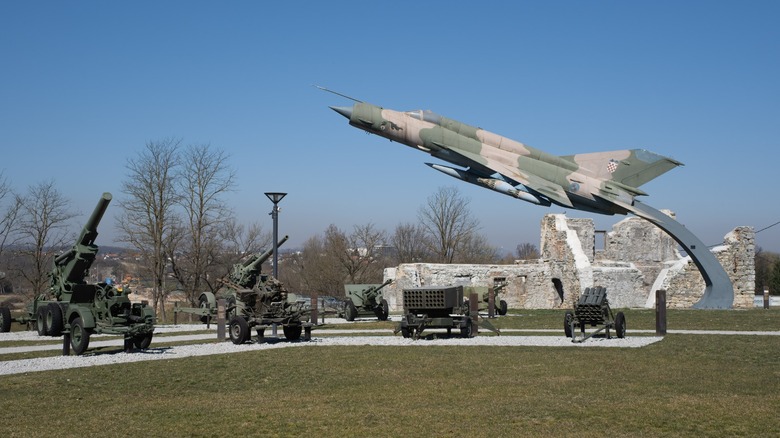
(89, 232)
(245, 274)
(255, 262)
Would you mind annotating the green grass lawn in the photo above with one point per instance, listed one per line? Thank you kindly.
(685, 385)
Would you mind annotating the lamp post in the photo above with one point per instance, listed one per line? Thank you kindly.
(275, 197)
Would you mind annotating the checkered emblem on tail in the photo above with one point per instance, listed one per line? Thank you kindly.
(612, 166)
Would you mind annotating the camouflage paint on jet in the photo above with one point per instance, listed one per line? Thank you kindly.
(601, 182)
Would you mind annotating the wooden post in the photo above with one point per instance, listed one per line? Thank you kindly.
(66, 344)
(221, 306)
(660, 312)
(175, 312)
(491, 302)
(314, 306)
(766, 297)
(474, 313)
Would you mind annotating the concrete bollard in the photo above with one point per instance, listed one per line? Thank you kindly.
(766, 297)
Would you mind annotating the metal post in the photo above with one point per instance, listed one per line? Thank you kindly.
(221, 306)
(474, 312)
(766, 297)
(491, 302)
(175, 312)
(275, 197)
(314, 307)
(660, 312)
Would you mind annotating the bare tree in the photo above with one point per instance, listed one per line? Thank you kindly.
(238, 242)
(327, 262)
(526, 251)
(148, 222)
(203, 178)
(9, 209)
(408, 241)
(476, 249)
(42, 230)
(367, 263)
(448, 224)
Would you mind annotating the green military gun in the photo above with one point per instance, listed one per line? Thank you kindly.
(72, 306)
(365, 300)
(499, 306)
(256, 300)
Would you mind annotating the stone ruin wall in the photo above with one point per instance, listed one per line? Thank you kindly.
(638, 258)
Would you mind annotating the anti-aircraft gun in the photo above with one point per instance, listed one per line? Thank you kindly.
(257, 300)
(364, 300)
(71, 305)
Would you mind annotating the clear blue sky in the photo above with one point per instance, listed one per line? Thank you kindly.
(84, 85)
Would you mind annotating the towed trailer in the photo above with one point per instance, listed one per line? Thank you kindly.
(438, 308)
(593, 309)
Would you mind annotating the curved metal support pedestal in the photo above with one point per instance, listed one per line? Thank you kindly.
(719, 292)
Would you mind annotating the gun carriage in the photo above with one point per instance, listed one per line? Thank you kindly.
(365, 300)
(592, 308)
(255, 301)
(72, 306)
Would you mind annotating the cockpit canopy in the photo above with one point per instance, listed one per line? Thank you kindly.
(426, 115)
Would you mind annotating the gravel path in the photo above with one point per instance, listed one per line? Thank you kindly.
(181, 351)
(159, 350)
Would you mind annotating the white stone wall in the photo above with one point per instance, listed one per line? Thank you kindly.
(638, 259)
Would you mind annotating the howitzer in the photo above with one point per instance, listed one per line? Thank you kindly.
(246, 274)
(79, 309)
(70, 268)
(364, 300)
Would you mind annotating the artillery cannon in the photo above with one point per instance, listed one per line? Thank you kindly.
(437, 307)
(592, 308)
(72, 306)
(365, 300)
(500, 306)
(255, 300)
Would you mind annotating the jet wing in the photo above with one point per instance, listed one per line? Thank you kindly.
(533, 182)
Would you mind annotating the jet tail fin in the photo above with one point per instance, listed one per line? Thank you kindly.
(631, 168)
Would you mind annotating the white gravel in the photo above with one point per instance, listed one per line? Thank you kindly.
(160, 351)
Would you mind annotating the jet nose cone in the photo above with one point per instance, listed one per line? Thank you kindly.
(345, 111)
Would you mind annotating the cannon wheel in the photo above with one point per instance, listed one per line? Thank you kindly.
(405, 332)
(239, 330)
(142, 342)
(383, 311)
(465, 330)
(568, 318)
(350, 312)
(292, 332)
(79, 337)
(5, 319)
(54, 319)
(502, 308)
(40, 321)
(620, 325)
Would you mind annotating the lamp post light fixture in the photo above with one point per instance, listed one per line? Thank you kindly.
(275, 197)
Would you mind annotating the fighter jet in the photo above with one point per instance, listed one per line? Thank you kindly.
(600, 182)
